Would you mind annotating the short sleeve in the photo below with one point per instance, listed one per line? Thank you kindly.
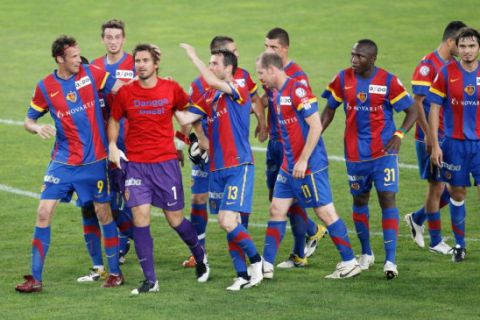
(334, 93)
(398, 95)
(304, 100)
(38, 104)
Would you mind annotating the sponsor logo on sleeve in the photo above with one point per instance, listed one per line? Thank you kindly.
(300, 92)
(424, 71)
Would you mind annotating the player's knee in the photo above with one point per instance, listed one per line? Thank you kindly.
(276, 213)
(103, 212)
(200, 198)
(387, 200)
(327, 213)
(436, 189)
(44, 215)
(88, 211)
(458, 193)
(361, 200)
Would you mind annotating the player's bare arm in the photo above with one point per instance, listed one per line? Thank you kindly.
(314, 132)
(411, 116)
(45, 131)
(422, 119)
(327, 116)
(114, 154)
(208, 75)
(186, 117)
(433, 119)
(261, 131)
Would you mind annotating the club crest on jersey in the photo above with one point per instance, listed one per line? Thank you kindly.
(377, 89)
(71, 96)
(470, 90)
(362, 96)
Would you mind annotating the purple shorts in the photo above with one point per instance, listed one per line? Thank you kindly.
(159, 184)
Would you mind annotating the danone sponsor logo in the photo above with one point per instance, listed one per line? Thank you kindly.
(124, 74)
(82, 82)
(377, 89)
(286, 100)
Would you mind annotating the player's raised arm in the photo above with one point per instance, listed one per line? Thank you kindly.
(212, 80)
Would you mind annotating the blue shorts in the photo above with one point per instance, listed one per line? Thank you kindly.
(232, 189)
(89, 181)
(274, 162)
(383, 172)
(313, 191)
(199, 180)
(460, 159)
(428, 171)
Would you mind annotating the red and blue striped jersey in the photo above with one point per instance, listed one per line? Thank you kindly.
(456, 90)
(123, 69)
(199, 86)
(368, 105)
(75, 108)
(149, 112)
(293, 103)
(294, 71)
(422, 79)
(228, 123)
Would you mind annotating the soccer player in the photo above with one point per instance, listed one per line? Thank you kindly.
(277, 41)
(370, 95)
(119, 64)
(437, 195)
(199, 189)
(455, 92)
(153, 174)
(227, 106)
(71, 95)
(304, 172)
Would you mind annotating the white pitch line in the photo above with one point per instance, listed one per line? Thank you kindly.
(254, 148)
(156, 213)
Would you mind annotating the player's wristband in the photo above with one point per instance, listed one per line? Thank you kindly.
(402, 130)
(399, 134)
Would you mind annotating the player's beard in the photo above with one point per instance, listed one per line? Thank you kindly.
(146, 76)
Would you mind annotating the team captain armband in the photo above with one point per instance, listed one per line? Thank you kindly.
(180, 140)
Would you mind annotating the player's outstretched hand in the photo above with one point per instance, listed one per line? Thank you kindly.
(46, 131)
(393, 146)
(188, 49)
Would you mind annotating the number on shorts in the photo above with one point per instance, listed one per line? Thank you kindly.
(232, 192)
(306, 191)
(174, 190)
(100, 186)
(389, 175)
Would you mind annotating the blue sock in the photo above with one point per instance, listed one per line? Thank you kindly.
(311, 227)
(124, 222)
(40, 245)
(457, 215)
(199, 218)
(390, 219)
(419, 216)
(242, 238)
(92, 236)
(110, 242)
(434, 228)
(237, 256)
(339, 235)
(297, 218)
(273, 237)
(361, 216)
